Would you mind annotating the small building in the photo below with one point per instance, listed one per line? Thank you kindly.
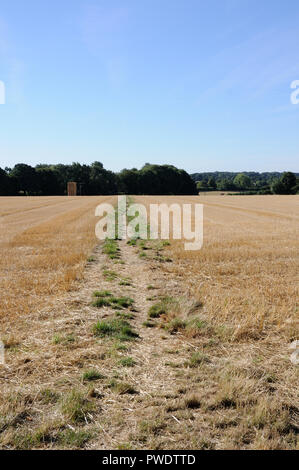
(72, 188)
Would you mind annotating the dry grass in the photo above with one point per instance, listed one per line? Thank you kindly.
(247, 273)
(212, 372)
(45, 243)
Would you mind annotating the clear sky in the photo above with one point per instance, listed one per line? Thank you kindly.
(203, 85)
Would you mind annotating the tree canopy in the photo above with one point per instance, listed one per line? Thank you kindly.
(248, 182)
(94, 179)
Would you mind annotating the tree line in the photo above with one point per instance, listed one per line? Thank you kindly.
(94, 179)
(248, 182)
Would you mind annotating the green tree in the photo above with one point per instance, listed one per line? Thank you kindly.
(286, 184)
(225, 184)
(289, 180)
(101, 181)
(212, 183)
(129, 181)
(7, 184)
(26, 179)
(47, 182)
(202, 186)
(242, 181)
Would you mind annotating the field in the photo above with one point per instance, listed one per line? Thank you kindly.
(48, 240)
(144, 345)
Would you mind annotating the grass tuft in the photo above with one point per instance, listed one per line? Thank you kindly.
(74, 439)
(149, 324)
(102, 293)
(162, 307)
(117, 328)
(197, 359)
(127, 362)
(109, 275)
(75, 406)
(91, 375)
(111, 249)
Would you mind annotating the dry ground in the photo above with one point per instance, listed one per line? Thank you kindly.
(210, 367)
(44, 244)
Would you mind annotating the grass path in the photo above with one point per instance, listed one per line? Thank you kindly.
(154, 380)
(47, 356)
(63, 386)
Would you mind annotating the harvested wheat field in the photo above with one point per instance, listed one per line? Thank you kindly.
(142, 345)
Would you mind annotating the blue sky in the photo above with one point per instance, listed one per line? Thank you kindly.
(203, 85)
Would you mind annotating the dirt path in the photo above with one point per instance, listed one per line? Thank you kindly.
(64, 385)
(50, 352)
(136, 417)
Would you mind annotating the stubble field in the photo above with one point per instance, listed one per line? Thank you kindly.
(145, 345)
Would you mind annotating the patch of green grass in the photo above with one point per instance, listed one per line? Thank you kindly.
(127, 334)
(132, 242)
(105, 299)
(65, 340)
(75, 406)
(162, 307)
(197, 359)
(91, 375)
(157, 310)
(142, 255)
(197, 326)
(124, 446)
(42, 436)
(102, 293)
(149, 324)
(127, 362)
(117, 328)
(120, 347)
(29, 439)
(91, 259)
(125, 315)
(104, 328)
(74, 439)
(111, 249)
(121, 388)
(224, 332)
(110, 275)
(200, 323)
(121, 302)
(176, 324)
(101, 302)
(152, 427)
